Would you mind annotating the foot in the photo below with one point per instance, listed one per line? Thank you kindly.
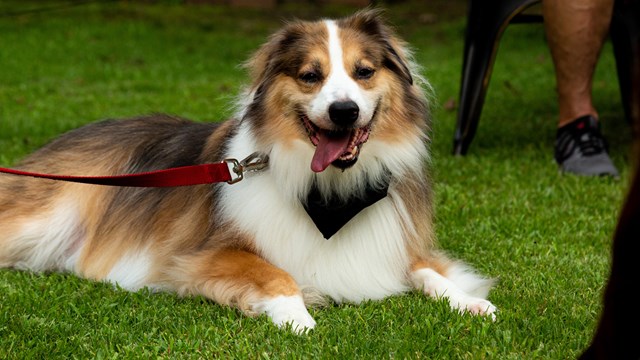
(581, 149)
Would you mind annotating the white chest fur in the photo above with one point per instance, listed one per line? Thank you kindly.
(366, 259)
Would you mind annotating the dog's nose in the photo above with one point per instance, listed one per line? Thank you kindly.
(344, 113)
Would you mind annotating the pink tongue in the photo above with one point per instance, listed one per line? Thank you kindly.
(329, 148)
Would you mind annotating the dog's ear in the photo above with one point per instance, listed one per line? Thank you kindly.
(259, 62)
(272, 57)
(370, 22)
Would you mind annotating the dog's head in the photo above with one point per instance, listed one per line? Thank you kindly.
(335, 84)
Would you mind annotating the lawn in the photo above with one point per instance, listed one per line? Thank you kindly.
(504, 208)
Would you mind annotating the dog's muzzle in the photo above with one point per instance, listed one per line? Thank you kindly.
(340, 147)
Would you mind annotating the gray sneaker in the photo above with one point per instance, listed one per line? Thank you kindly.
(580, 149)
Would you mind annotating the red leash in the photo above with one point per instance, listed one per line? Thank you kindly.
(180, 176)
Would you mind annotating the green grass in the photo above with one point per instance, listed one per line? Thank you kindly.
(504, 208)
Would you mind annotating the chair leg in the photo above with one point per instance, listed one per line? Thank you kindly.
(625, 36)
(485, 25)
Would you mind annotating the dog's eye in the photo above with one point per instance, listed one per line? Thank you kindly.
(309, 77)
(364, 73)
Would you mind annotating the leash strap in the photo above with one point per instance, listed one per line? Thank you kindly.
(228, 170)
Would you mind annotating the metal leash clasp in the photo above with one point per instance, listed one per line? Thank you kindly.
(254, 162)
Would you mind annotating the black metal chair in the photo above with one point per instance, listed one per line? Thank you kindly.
(487, 21)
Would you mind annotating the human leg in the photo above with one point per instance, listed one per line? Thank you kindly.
(576, 31)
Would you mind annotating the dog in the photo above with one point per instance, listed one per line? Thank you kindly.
(344, 209)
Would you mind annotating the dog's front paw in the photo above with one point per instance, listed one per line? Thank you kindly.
(300, 321)
(288, 311)
(438, 286)
(477, 306)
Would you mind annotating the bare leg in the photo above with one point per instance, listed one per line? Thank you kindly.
(575, 31)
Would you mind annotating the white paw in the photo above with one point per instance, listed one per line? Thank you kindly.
(287, 310)
(300, 321)
(438, 286)
(477, 306)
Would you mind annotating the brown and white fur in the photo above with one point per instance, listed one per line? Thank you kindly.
(334, 84)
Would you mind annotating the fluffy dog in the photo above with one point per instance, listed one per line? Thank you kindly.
(344, 207)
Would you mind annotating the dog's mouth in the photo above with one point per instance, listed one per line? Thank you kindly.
(339, 148)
